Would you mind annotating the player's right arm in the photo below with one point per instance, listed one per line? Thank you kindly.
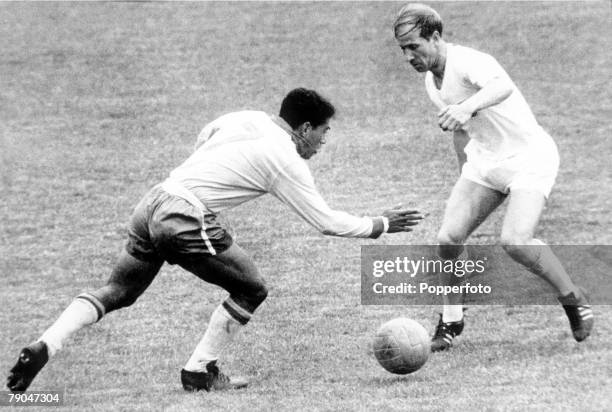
(295, 187)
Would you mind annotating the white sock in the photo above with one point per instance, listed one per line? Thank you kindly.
(83, 311)
(452, 311)
(224, 325)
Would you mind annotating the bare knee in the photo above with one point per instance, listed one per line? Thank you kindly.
(129, 278)
(450, 244)
(116, 296)
(450, 237)
(514, 242)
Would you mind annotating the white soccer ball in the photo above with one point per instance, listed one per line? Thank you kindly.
(402, 346)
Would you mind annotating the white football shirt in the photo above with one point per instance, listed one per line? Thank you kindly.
(243, 155)
(498, 131)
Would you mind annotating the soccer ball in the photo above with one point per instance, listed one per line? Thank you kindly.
(402, 346)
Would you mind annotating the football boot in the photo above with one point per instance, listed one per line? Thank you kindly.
(579, 313)
(445, 333)
(31, 360)
(211, 380)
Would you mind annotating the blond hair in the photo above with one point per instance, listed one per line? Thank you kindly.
(417, 16)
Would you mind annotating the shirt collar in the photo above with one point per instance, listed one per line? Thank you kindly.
(280, 122)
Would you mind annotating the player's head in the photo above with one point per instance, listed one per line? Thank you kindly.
(308, 114)
(415, 16)
(418, 31)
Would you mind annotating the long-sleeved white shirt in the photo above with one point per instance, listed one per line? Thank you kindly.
(243, 155)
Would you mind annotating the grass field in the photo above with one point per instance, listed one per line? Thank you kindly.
(98, 101)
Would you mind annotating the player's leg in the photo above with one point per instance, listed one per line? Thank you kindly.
(134, 271)
(469, 205)
(128, 280)
(517, 238)
(234, 271)
(130, 277)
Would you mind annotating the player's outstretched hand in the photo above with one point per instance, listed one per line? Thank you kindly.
(402, 219)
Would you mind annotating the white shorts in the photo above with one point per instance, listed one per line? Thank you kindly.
(534, 169)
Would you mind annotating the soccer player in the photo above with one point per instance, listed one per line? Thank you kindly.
(503, 153)
(238, 157)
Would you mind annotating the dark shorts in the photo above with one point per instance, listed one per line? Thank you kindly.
(167, 227)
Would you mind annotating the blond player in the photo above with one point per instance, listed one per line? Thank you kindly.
(503, 153)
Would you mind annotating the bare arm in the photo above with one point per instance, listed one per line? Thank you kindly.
(454, 116)
(494, 92)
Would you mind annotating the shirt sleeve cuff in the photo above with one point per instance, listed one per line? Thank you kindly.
(379, 226)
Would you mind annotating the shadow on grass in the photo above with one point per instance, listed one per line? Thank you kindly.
(390, 380)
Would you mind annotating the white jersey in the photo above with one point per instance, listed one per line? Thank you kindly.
(499, 131)
(243, 155)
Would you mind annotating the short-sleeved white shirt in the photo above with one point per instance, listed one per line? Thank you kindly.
(499, 131)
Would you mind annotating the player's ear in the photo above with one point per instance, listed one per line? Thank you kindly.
(304, 128)
(435, 36)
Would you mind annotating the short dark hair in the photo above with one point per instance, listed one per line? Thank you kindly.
(418, 16)
(303, 105)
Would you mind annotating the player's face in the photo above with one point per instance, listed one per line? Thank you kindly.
(421, 53)
(313, 139)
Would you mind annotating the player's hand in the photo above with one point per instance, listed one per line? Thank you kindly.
(454, 117)
(402, 219)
